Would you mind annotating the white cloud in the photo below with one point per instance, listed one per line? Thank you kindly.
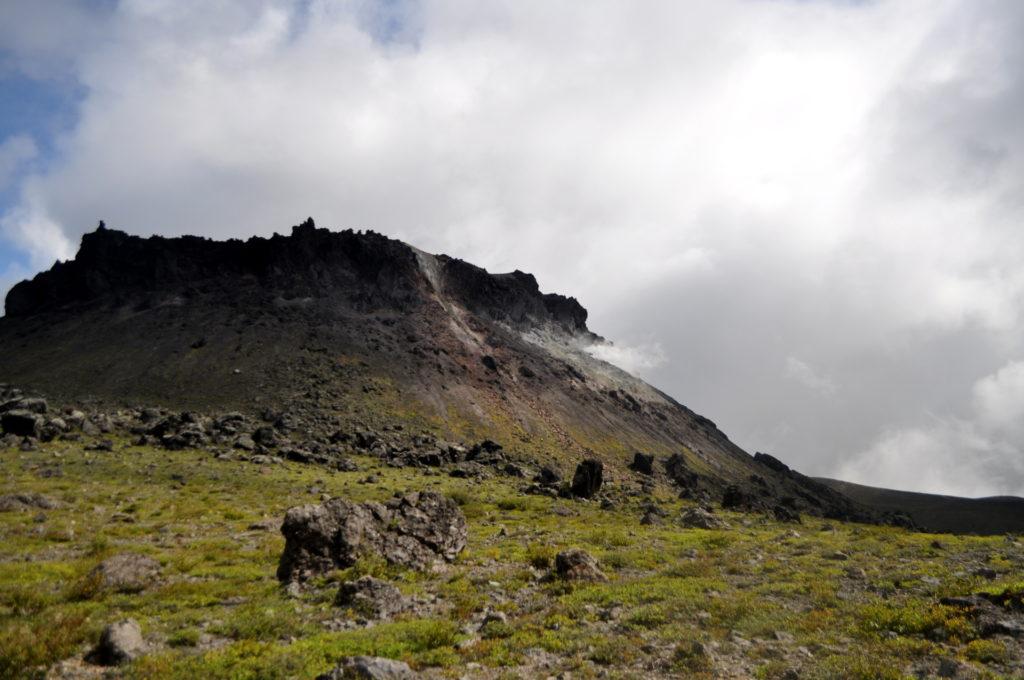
(999, 400)
(726, 180)
(638, 359)
(979, 456)
(808, 377)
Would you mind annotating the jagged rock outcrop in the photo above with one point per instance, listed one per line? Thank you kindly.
(369, 269)
(513, 297)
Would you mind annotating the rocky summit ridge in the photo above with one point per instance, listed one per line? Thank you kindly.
(364, 270)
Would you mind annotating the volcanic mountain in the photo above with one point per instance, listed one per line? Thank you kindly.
(353, 329)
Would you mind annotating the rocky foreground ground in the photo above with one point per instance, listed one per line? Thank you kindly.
(150, 544)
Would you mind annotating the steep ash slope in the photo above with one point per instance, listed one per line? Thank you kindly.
(353, 327)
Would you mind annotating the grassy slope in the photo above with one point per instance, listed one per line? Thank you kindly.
(762, 597)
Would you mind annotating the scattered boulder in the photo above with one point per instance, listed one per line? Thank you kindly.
(119, 643)
(189, 437)
(418, 530)
(30, 404)
(548, 477)
(855, 573)
(679, 472)
(734, 497)
(991, 614)
(587, 480)
(784, 513)
(126, 572)
(486, 450)
(578, 565)
(514, 470)
(369, 668)
(948, 668)
(496, 616)
(700, 518)
(650, 517)
(642, 463)
(371, 597)
(265, 436)
(265, 525)
(21, 423)
(27, 501)
(987, 573)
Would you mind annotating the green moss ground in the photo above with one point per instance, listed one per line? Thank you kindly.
(763, 597)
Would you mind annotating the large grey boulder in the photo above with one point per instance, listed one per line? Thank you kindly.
(369, 668)
(126, 573)
(699, 518)
(119, 643)
(418, 530)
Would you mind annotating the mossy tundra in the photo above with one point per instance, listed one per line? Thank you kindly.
(761, 599)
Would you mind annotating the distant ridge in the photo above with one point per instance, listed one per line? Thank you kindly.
(939, 513)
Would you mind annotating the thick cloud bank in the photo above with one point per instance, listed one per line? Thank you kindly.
(812, 208)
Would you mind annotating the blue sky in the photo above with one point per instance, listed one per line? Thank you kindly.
(39, 109)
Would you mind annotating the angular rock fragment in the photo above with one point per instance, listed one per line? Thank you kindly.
(699, 518)
(371, 597)
(642, 463)
(369, 668)
(126, 573)
(679, 472)
(21, 423)
(119, 643)
(27, 501)
(547, 477)
(734, 497)
(578, 565)
(784, 513)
